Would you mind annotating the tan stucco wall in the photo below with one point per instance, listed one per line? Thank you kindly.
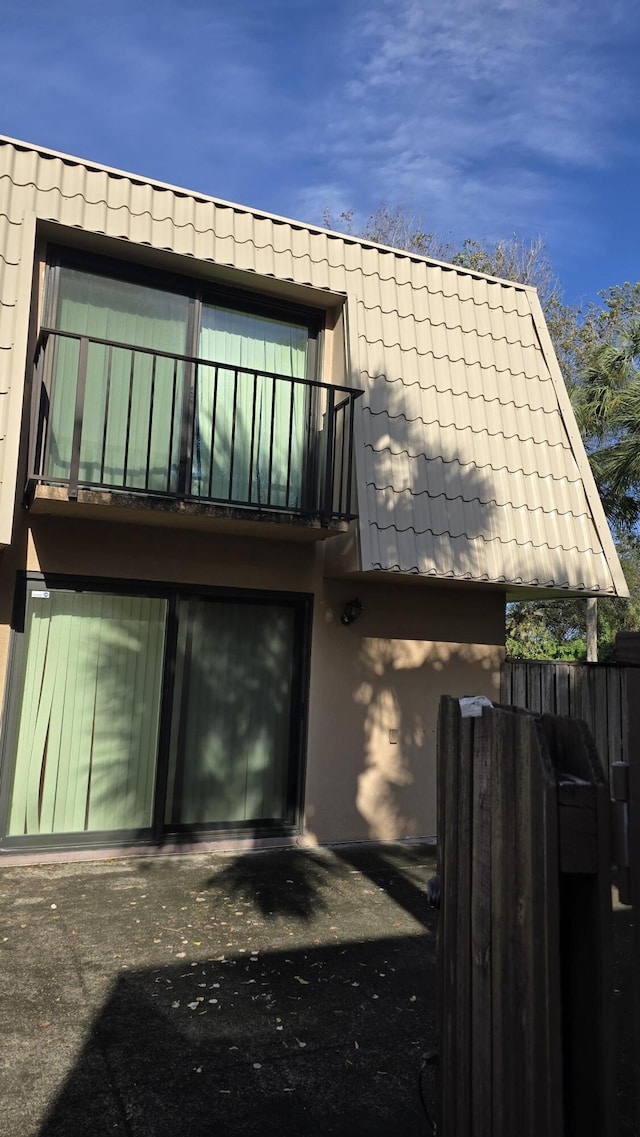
(383, 673)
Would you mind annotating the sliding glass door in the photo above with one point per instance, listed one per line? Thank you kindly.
(142, 713)
(178, 395)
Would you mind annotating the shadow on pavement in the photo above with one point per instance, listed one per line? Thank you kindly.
(325, 1041)
(291, 885)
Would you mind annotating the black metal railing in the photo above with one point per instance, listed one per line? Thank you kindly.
(113, 416)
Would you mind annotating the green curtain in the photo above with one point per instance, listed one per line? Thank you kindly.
(128, 313)
(232, 702)
(88, 728)
(225, 464)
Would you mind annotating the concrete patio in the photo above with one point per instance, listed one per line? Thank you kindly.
(266, 993)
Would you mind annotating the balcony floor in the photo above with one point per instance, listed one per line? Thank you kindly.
(105, 505)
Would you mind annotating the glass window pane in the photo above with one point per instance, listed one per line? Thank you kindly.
(128, 395)
(88, 728)
(232, 707)
(252, 455)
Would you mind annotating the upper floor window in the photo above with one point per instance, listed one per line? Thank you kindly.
(169, 369)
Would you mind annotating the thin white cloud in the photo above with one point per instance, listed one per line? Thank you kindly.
(478, 113)
(484, 117)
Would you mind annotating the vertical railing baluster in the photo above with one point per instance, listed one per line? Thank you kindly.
(290, 447)
(127, 436)
(107, 397)
(341, 408)
(186, 428)
(253, 434)
(38, 432)
(216, 380)
(196, 437)
(174, 386)
(352, 405)
(49, 372)
(233, 433)
(328, 473)
(153, 393)
(81, 379)
(271, 430)
(308, 473)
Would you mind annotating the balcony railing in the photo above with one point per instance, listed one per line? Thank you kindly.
(112, 416)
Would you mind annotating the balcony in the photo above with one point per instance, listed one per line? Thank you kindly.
(150, 428)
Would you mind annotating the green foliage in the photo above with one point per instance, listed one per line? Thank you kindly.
(606, 400)
(556, 629)
(530, 637)
(512, 258)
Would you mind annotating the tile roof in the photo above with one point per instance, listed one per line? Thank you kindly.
(471, 466)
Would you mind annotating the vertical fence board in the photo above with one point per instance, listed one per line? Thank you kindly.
(593, 692)
(448, 760)
(481, 1009)
(600, 714)
(546, 1057)
(506, 683)
(548, 694)
(519, 686)
(463, 928)
(614, 717)
(563, 705)
(626, 688)
(508, 905)
(633, 758)
(534, 694)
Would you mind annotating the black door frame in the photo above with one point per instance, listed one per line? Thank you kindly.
(159, 832)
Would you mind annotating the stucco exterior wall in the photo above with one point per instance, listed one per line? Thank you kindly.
(382, 674)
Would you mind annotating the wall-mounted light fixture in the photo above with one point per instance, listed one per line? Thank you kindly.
(351, 611)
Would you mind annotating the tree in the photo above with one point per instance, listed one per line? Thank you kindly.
(512, 258)
(556, 629)
(607, 405)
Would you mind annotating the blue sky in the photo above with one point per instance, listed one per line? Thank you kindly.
(483, 117)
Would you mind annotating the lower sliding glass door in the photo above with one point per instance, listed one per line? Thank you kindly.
(121, 727)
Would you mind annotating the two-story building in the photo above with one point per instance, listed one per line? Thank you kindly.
(265, 490)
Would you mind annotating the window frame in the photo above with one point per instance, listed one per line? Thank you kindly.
(198, 292)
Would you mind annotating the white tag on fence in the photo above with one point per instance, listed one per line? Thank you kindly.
(471, 706)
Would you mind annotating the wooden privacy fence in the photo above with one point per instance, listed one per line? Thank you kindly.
(524, 955)
(595, 692)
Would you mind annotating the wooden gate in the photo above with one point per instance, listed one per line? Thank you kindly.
(524, 937)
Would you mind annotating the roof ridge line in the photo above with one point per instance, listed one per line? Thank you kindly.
(139, 179)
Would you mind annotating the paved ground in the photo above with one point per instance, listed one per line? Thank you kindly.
(273, 993)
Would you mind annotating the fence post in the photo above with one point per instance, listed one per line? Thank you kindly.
(633, 759)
